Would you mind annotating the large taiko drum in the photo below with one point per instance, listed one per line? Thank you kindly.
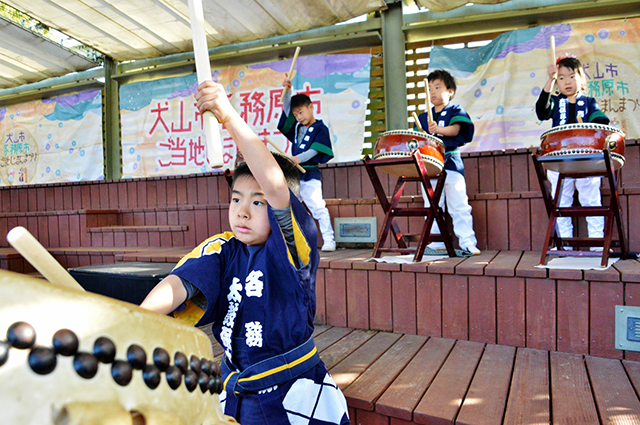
(76, 358)
(402, 143)
(574, 142)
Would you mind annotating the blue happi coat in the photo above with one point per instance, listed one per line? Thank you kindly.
(586, 108)
(451, 114)
(262, 306)
(317, 137)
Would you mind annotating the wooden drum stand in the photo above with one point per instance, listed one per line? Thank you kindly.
(600, 161)
(391, 209)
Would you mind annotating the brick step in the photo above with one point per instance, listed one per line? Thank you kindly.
(114, 229)
(71, 257)
(89, 256)
(154, 255)
(11, 260)
(138, 236)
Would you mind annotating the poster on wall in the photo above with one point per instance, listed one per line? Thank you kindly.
(498, 84)
(162, 131)
(52, 140)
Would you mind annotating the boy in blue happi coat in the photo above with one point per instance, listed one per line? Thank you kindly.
(454, 127)
(566, 108)
(256, 285)
(310, 147)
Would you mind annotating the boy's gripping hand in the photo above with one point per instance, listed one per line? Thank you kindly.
(552, 70)
(449, 131)
(264, 168)
(212, 97)
(287, 83)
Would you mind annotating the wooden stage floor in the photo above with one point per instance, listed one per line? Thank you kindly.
(488, 339)
(395, 379)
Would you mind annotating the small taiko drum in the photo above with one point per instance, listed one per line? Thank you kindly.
(574, 142)
(402, 143)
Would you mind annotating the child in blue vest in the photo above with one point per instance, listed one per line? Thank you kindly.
(565, 108)
(256, 286)
(454, 127)
(310, 147)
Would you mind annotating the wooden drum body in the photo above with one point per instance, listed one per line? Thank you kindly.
(77, 358)
(572, 144)
(401, 144)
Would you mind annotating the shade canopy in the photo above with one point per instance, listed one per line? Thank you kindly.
(128, 30)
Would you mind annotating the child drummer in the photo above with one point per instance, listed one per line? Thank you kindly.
(256, 286)
(570, 107)
(454, 127)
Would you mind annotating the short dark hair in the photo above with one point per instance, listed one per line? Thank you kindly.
(289, 170)
(299, 100)
(574, 65)
(445, 77)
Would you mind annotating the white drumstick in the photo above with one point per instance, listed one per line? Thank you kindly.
(40, 259)
(203, 70)
(293, 65)
(426, 91)
(553, 54)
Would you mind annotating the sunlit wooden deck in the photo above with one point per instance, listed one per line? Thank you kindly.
(399, 379)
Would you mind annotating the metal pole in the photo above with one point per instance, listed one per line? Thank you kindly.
(395, 73)
(113, 151)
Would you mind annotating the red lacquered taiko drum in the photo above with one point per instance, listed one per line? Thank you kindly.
(402, 143)
(573, 140)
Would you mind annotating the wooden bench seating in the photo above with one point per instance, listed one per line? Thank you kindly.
(508, 209)
(396, 379)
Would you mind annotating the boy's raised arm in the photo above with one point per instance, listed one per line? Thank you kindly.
(212, 97)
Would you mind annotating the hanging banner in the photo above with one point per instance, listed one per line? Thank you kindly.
(162, 131)
(499, 84)
(52, 140)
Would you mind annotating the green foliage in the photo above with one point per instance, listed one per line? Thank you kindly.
(23, 20)
(31, 24)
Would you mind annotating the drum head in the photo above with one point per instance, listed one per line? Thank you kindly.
(578, 148)
(582, 126)
(401, 144)
(433, 166)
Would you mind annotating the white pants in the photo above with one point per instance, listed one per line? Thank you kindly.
(588, 195)
(311, 194)
(455, 194)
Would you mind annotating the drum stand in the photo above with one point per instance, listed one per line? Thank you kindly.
(391, 210)
(611, 213)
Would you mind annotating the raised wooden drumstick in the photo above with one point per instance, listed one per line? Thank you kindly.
(298, 166)
(203, 70)
(39, 257)
(415, 118)
(290, 74)
(426, 91)
(553, 55)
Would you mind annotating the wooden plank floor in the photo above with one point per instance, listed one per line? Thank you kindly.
(395, 379)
